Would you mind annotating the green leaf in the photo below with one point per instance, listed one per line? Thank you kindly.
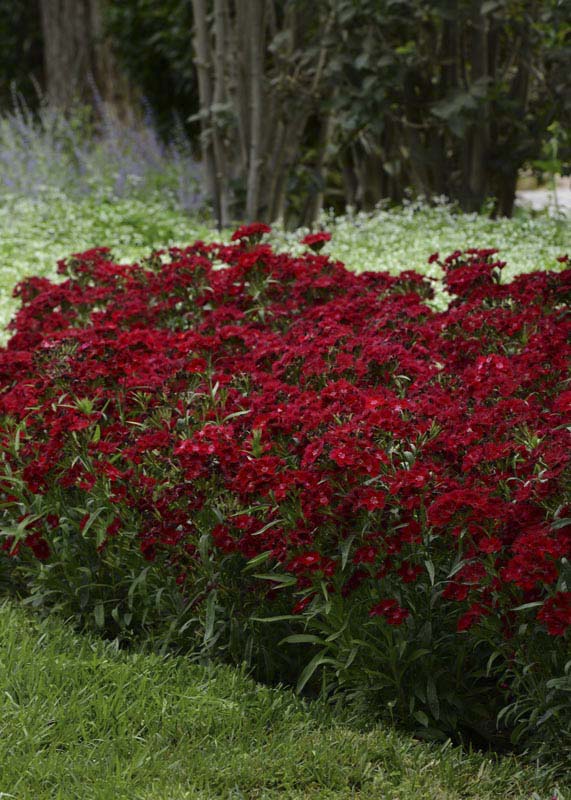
(421, 717)
(259, 559)
(317, 661)
(210, 617)
(526, 606)
(302, 638)
(266, 527)
(204, 546)
(430, 569)
(423, 651)
(432, 697)
(99, 614)
(92, 517)
(491, 660)
(345, 548)
(283, 580)
(138, 581)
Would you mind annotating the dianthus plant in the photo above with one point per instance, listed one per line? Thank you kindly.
(281, 438)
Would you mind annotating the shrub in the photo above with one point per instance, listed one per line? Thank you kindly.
(273, 459)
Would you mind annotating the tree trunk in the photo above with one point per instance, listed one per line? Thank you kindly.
(220, 100)
(314, 203)
(256, 102)
(80, 65)
(202, 62)
(478, 183)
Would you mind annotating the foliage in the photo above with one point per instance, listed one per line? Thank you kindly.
(449, 97)
(189, 450)
(80, 718)
(440, 97)
(20, 51)
(153, 43)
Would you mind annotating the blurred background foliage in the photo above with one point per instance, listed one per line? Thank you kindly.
(388, 98)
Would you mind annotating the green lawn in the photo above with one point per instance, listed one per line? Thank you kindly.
(79, 719)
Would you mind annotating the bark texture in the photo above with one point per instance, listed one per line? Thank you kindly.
(258, 90)
(80, 66)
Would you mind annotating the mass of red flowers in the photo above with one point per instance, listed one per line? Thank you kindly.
(285, 406)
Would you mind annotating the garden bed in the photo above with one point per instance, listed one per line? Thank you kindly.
(268, 458)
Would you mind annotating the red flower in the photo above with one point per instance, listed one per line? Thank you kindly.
(38, 546)
(391, 611)
(456, 591)
(490, 544)
(316, 241)
(556, 613)
(409, 572)
(302, 604)
(471, 617)
(254, 231)
(365, 555)
(309, 560)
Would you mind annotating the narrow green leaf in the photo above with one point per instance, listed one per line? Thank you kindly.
(526, 606)
(432, 697)
(345, 548)
(204, 546)
(317, 661)
(99, 614)
(210, 617)
(284, 580)
(259, 559)
(421, 717)
(423, 651)
(92, 517)
(302, 638)
(430, 569)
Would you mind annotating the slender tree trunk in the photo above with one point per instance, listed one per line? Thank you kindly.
(80, 65)
(67, 47)
(350, 180)
(314, 203)
(506, 195)
(220, 100)
(255, 53)
(478, 183)
(265, 95)
(202, 61)
(519, 94)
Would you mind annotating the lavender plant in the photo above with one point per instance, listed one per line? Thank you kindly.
(44, 152)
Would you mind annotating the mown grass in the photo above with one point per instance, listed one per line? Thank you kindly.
(80, 719)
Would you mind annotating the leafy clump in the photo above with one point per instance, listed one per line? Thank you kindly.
(271, 458)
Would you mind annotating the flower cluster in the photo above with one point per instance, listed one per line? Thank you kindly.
(362, 443)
